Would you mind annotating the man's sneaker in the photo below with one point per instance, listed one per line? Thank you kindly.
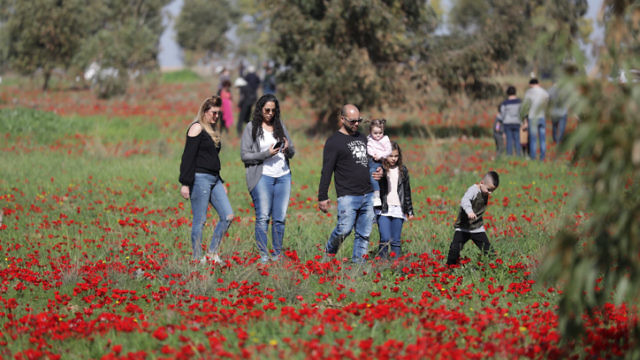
(377, 202)
(210, 257)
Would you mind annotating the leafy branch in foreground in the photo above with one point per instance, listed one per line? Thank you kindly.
(603, 260)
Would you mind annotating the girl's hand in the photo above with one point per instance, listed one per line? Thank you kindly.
(184, 191)
(409, 217)
(286, 144)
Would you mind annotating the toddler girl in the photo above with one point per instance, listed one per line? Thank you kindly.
(378, 148)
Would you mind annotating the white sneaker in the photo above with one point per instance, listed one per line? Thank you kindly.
(377, 202)
(210, 257)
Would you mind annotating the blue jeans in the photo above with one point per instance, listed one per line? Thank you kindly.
(537, 132)
(390, 229)
(373, 165)
(271, 198)
(513, 139)
(558, 125)
(353, 210)
(207, 189)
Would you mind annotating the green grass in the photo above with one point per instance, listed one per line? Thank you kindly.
(45, 128)
(88, 190)
(180, 76)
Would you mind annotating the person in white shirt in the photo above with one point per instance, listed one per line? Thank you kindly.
(265, 150)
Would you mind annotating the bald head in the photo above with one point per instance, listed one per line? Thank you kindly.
(350, 111)
(350, 116)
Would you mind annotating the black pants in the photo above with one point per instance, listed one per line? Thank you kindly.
(244, 117)
(460, 238)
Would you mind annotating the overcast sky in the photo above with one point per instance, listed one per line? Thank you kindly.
(171, 55)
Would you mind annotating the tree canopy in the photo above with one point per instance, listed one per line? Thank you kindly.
(42, 35)
(347, 51)
(490, 37)
(201, 28)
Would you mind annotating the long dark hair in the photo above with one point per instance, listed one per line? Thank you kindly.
(256, 121)
(385, 162)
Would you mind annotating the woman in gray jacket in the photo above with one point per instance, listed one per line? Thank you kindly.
(265, 150)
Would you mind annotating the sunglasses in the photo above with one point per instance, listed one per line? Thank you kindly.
(352, 121)
(269, 110)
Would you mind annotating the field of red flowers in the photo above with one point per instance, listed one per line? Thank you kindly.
(96, 258)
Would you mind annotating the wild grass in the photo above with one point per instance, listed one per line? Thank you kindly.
(81, 204)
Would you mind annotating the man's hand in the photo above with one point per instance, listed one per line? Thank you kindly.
(324, 205)
(377, 175)
(472, 215)
(184, 191)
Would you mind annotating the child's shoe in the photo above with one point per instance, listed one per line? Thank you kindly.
(376, 199)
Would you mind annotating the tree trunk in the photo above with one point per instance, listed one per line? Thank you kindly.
(325, 122)
(47, 77)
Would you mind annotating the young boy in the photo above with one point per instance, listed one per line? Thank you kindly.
(469, 224)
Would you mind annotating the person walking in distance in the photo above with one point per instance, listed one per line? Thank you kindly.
(534, 106)
(510, 116)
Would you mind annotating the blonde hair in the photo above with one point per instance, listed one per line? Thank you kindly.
(208, 103)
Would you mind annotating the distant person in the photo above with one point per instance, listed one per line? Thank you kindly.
(469, 224)
(534, 106)
(227, 106)
(558, 110)
(509, 113)
(223, 75)
(253, 80)
(201, 181)
(396, 203)
(498, 134)
(265, 150)
(345, 157)
(378, 148)
(524, 136)
(269, 81)
(248, 97)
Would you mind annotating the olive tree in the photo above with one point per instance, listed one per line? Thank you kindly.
(346, 51)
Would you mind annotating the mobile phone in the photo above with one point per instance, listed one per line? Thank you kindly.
(279, 144)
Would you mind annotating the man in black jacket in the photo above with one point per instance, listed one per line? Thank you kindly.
(345, 155)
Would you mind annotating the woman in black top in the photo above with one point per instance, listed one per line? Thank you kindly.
(200, 178)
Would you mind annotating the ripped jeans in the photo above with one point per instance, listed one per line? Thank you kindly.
(207, 189)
